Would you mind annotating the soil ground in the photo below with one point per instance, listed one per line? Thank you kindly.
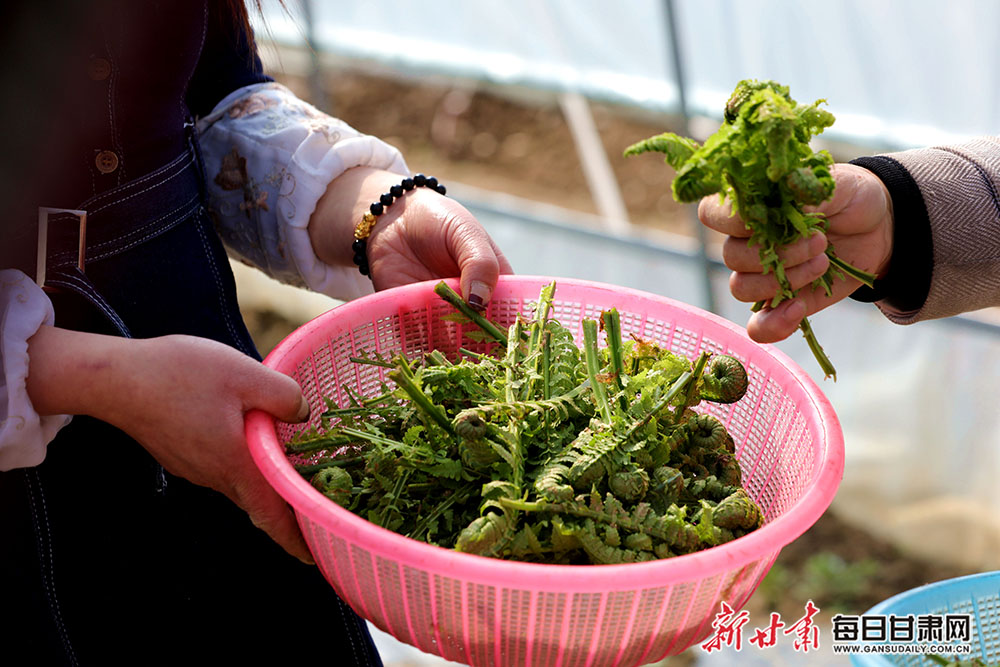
(521, 145)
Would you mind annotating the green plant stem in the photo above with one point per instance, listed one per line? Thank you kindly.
(316, 444)
(824, 361)
(438, 510)
(541, 316)
(546, 365)
(546, 354)
(853, 271)
(403, 366)
(371, 362)
(696, 370)
(400, 483)
(675, 389)
(613, 334)
(454, 298)
(311, 468)
(437, 358)
(372, 438)
(350, 412)
(406, 383)
(535, 339)
(514, 428)
(510, 360)
(593, 360)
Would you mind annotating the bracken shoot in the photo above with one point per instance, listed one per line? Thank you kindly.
(761, 161)
(542, 452)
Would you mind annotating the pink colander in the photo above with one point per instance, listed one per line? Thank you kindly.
(483, 611)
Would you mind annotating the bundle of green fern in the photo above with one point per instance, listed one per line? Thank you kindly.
(543, 450)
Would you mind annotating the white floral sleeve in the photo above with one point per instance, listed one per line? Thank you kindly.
(24, 308)
(269, 157)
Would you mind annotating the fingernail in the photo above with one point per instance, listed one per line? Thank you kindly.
(479, 294)
(304, 411)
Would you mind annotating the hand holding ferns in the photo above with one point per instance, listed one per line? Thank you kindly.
(760, 159)
(545, 451)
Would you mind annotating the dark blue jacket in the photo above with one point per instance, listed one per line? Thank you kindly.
(97, 92)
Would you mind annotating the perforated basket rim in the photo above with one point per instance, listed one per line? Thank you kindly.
(764, 543)
(947, 591)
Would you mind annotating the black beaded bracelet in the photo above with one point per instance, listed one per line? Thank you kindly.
(364, 228)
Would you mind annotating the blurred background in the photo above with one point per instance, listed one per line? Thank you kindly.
(523, 108)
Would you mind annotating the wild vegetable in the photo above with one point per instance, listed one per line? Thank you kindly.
(761, 161)
(541, 451)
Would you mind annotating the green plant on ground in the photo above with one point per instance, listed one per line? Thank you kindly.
(834, 584)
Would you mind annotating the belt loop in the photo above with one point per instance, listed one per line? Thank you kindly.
(43, 240)
(191, 130)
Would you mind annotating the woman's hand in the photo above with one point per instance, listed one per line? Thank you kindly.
(421, 236)
(860, 219)
(183, 399)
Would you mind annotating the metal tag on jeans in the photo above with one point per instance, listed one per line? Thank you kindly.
(43, 238)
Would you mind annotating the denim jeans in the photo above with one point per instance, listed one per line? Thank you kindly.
(105, 558)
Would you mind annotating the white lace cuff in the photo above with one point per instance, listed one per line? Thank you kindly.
(269, 157)
(24, 308)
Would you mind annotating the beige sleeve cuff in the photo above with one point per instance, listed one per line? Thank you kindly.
(960, 185)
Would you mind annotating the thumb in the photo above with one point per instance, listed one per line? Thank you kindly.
(480, 264)
(278, 395)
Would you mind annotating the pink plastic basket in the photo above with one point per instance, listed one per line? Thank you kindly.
(483, 611)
